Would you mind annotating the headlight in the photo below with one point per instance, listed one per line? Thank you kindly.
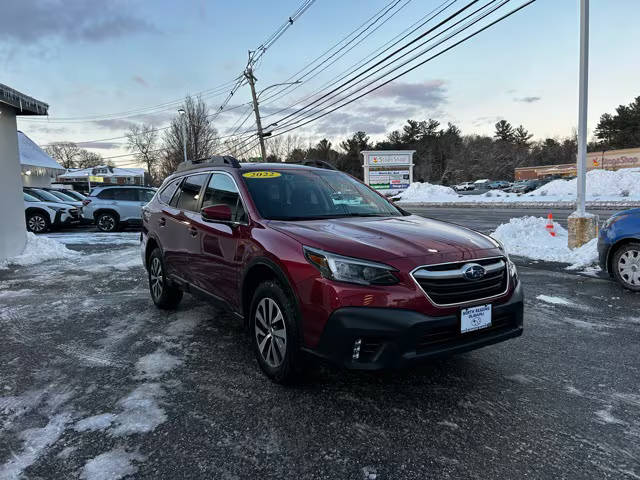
(59, 209)
(610, 221)
(351, 270)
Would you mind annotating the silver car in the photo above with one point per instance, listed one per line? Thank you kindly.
(114, 206)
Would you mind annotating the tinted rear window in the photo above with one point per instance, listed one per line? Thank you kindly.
(190, 192)
(167, 192)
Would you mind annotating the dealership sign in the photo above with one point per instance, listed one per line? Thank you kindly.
(388, 170)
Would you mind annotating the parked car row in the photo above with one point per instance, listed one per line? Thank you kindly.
(519, 186)
(109, 207)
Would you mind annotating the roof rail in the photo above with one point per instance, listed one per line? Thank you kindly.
(214, 161)
(318, 164)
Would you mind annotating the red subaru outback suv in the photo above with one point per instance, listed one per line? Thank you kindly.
(316, 262)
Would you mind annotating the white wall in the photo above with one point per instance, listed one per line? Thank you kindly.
(13, 230)
(36, 180)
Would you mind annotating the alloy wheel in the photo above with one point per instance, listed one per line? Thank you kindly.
(271, 332)
(155, 278)
(629, 267)
(106, 223)
(37, 224)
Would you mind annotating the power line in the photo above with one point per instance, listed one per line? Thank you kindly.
(371, 56)
(328, 112)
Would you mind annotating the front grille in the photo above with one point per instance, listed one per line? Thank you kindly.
(445, 284)
(431, 337)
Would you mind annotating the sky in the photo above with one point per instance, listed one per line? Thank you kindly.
(92, 60)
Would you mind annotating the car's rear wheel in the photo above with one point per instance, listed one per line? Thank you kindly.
(164, 294)
(107, 222)
(626, 266)
(38, 222)
(274, 333)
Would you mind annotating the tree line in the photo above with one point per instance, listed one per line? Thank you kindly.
(443, 154)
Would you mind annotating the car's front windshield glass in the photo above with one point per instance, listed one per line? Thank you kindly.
(63, 197)
(44, 195)
(313, 194)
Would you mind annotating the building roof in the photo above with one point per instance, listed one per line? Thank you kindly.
(31, 155)
(24, 104)
(96, 171)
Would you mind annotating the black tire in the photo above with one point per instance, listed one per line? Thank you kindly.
(164, 294)
(107, 222)
(280, 366)
(38, 222)
(625, 266)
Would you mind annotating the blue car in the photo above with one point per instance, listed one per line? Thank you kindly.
(619, 248)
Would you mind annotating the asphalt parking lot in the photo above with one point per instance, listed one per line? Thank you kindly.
(97, 383)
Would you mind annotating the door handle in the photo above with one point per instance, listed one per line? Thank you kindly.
(162, 222)
(193, 231)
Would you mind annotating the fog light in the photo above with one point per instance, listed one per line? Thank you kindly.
(356, 349)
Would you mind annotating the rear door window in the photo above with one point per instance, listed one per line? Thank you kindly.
(222, 190)
(190, 192)
(126, 194)
(107, 194)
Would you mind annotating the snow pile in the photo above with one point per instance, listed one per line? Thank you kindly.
(426, 192)
(112, 465)
(38, 250)
(528, 237)
(602, 186)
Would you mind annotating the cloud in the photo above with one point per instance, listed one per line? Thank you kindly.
(28, 22)
(528, 99)
(489, 120)
(429, 94)
(101, 145)
(139, 80)
(115, 124)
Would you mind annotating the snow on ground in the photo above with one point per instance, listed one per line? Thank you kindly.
(95, 238)
(39, 249)
(528, 237)
(111, 465)
(95, 422)
(554, 300)
(602, 185)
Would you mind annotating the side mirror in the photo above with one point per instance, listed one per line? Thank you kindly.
(216, 213)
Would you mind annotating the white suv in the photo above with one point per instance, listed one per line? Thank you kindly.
(41, 216)
(112, 206)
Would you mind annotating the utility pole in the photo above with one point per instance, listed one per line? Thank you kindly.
(251, 79)
(183, 117)
(583, 226)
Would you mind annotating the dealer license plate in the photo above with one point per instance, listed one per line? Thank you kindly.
(475, 318)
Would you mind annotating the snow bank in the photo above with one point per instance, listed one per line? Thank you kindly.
(40, 249)
(602, 186)
(527, 237)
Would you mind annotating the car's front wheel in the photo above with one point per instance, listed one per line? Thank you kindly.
(163, 293)
(38, 222)
(274, 333)
(107, 222)
(626, 266)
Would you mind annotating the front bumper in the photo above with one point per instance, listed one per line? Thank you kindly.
(395, 338)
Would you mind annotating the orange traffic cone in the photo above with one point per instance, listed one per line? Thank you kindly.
(550, 226)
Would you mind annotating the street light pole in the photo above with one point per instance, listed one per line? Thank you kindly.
(183, 117)
(583, 226)
(582, 108)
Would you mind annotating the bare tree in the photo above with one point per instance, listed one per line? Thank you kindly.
(65, 153)
(143, 141)
(87, 159)
(201, 136)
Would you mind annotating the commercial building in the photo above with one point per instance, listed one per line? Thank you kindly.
(606, 160)
(84, 179)
(38, 168)
(13, 231)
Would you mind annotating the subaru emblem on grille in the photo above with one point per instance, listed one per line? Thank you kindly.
(473, 271)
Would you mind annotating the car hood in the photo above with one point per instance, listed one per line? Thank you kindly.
(382, 238)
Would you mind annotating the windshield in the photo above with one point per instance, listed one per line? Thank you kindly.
(62, 196)
(29, 198)
(44, 195)
(314, 194)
